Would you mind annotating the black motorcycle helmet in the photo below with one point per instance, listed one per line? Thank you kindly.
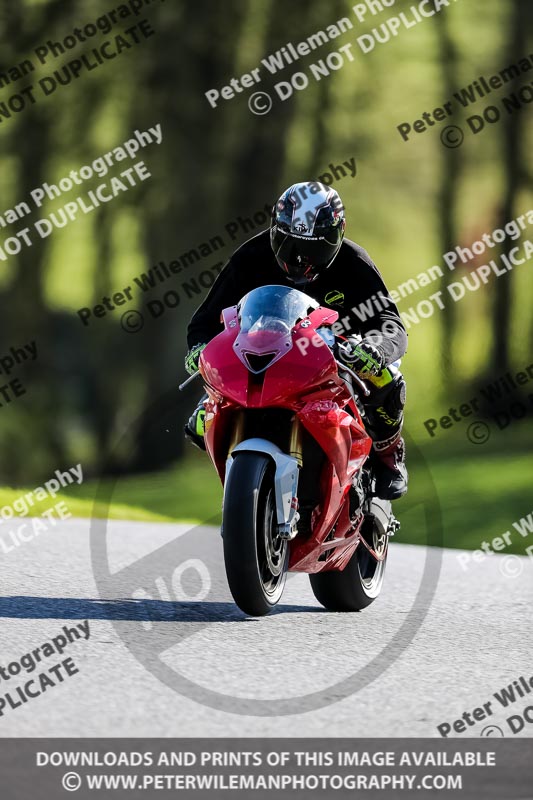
(307, 230)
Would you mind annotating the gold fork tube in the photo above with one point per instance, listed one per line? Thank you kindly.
(238, 429)
(295, 444)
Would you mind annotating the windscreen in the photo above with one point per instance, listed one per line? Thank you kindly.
(267, 316)
(274, 308)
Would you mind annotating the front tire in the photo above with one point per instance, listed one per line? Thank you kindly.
(255, 556)
(360, 582)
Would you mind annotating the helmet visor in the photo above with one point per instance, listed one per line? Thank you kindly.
(303, 258)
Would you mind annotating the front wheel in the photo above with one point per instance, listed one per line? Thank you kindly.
(360, 582)
(255, 555)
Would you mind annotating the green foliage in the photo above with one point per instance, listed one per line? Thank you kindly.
(91, 383)
(481, 492)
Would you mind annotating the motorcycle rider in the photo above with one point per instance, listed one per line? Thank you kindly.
(305, 248)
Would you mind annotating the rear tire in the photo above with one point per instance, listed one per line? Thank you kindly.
(360, 582)
(255, 556)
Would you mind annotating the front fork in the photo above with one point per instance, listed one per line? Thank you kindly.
(237, 433)
(287, 467)
(295, 448)
(295, 442)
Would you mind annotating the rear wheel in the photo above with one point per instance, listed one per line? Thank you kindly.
(255, 555)
(361, 580)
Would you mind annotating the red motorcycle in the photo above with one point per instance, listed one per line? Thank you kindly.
(285, 433)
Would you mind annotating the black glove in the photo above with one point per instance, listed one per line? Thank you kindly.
(363, 357)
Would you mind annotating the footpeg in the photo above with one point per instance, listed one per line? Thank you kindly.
(394, 526)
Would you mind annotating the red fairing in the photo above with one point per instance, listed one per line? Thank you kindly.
(339, 434)
(302, 377)
(345, 441)
(219, 364)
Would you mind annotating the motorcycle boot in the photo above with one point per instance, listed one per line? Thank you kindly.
(195, 428)
(384, 422)
(389, 469)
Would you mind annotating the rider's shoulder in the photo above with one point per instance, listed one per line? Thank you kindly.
(351, 251)
(256, 251)
(260, 243)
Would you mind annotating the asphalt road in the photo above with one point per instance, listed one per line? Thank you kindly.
(169, 655)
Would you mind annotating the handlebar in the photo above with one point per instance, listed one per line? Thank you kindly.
(359, 383)
(190, 379)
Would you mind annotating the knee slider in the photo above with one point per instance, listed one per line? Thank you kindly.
(390, 402)
(395, 401)
(391, 396)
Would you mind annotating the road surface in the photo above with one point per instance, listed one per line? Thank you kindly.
(168, 654)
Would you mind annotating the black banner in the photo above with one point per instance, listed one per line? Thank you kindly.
(476, 769)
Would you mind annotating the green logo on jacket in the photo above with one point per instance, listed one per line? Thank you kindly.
(334, 298)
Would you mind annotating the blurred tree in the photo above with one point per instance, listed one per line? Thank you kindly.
(90, 383)
(182, 211)
(448, 193)
(24, 312)
(514, 160)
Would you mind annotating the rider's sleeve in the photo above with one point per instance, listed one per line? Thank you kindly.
(377, 316)
(205, 322)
